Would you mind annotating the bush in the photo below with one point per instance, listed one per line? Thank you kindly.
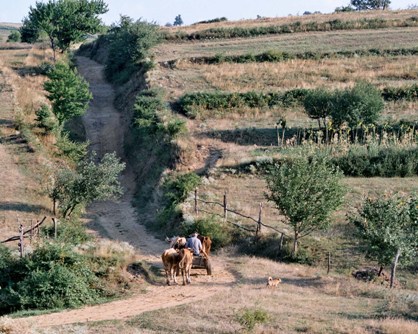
(129, 48)
(250, 317)
(45, 119)
(76, 151)
(14, 36)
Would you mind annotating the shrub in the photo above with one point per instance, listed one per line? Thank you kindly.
(129, 48)
(14, 36)
(76, 151)
(45, 119)
(248, 318)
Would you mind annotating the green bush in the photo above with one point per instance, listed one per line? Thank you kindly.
(130, 43)
(248, 318)
(45, 119)
(76, 151)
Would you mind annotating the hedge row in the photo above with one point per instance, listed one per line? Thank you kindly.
(191, 104)
(280, 56)
(237, 32)
(361, 161)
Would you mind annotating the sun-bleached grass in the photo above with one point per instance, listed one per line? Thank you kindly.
(318, 42)
(266, 21)
(307, 301)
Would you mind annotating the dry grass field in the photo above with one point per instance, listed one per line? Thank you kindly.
(24, 163)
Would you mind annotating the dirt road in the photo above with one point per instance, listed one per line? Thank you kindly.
(117, 220)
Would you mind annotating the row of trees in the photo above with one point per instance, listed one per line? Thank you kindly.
(364, 5)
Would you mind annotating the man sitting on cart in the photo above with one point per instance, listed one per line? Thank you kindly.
(195, 244)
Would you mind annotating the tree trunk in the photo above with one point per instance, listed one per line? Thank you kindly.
(295, 244)
(394, 265)
(380, 271)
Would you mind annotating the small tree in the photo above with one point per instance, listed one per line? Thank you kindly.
(389, 230)
(45, 119)
(306, 191)
(63, 21)
(361, 104)
(318, 105)
(14, 36)
(91, 181)
(68, 92)
(178, 21)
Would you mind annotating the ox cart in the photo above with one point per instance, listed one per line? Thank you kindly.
(200, 262)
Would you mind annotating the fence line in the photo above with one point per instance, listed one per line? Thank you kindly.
(224, 205)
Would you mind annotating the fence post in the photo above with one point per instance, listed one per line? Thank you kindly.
(55, 228)
(196, 210)
(278, 135)
(258, 229)
(329, 262)
(20, 244)
(225, 207)
(31, 231)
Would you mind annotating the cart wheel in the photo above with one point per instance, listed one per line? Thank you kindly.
(208, 267)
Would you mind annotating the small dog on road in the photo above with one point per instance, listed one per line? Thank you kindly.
(273, 282)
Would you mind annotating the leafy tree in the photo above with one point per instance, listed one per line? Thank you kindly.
(178, 21)
(370, 4)
(361, 104)
(318, 105)
(14, 36)
(389, 230)
(130, 43)
(68, 92)
(306, 191)
(63, 21)
(89, 182)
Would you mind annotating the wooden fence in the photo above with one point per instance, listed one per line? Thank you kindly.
(226, 209)
(31, 232)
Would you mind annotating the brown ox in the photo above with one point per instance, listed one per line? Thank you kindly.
(185, 264)
(206, 243)
(176, 242)
(171, 259)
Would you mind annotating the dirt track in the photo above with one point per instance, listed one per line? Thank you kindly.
(117, 220)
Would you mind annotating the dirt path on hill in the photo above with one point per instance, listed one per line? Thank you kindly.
(117, 220)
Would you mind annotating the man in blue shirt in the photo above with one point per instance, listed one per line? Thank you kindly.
(194, 243)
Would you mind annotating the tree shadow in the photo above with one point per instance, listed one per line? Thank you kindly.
(7, 123)
(22, 207)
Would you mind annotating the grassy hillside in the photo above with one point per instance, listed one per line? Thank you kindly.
(221, 141)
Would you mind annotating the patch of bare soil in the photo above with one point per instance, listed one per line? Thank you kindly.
(117, 220)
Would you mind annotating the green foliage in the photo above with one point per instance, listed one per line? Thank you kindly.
(151, 116)
(220, 234)
(369, 161)
(178, 21)
(370, 4)
(361, 104)
(193, 104)
(45, 119)
(408, 93)
(306, 192)
(76, 151)
(14, 37)
(386, 225)
(318, 104)
(68, 92)
(281, 56)
(63, 21)
(130, 43)
(248, 318)
(91, 181)
(216, 20)
(177, 188)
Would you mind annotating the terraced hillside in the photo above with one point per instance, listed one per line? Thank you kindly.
(228, 141)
